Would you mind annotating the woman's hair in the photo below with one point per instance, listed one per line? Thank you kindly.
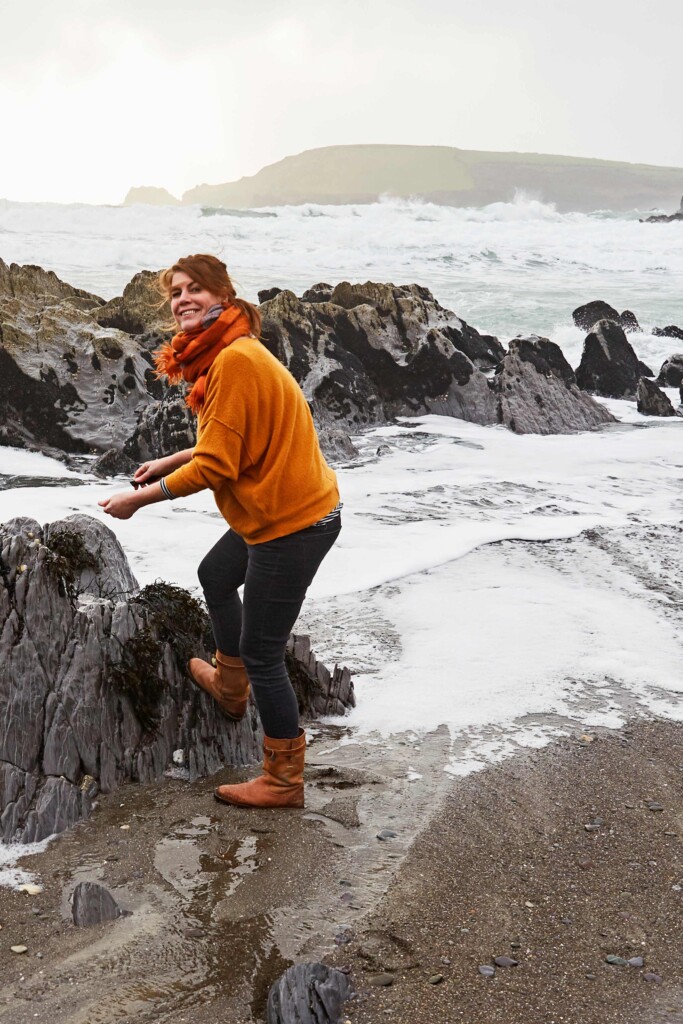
(212, 274)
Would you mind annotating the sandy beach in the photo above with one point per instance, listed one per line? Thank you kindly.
(556, 859)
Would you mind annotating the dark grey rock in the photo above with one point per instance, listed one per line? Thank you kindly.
(636, 961)
(505, 961)
(616, 961)
(651, 401)
(537, 393)
(93, 904)
(671, 372)
(668, 332)
(386, 833)
(320, 292)
(587, 315)
(266, 294)
(319, 691)
(114, 462)
(93, 684)
(162, 429)
(609, 366)
(654, 978)
(629, 322)
(308, 994)
(487, 970)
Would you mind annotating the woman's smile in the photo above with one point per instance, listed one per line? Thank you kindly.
(190, 302)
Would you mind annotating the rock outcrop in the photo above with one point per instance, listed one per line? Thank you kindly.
(586, 316)
(65, 381)
(671, 371)
(537, 391)
(609, 366)
(93, 685)
(92, 904)
(651, 401)
(166, 427)
(150, 195)
(140, 310)
(668, 332)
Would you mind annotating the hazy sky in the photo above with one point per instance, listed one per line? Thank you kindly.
(98, 95)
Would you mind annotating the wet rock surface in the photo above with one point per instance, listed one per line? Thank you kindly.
(651, 400)
(92, 904)
(585, 317)
(609, 366)
(93, 681)
(308, 994)
(537, 391)
(671, 372)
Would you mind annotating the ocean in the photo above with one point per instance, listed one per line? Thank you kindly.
(510, 588)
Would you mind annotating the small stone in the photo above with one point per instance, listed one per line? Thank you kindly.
(636, 961)
(591, 977)
(505, 961)
(585, 864)
(446, 960)
(616, 961)
(592, 827)
(515, 945)
(124, 828)
(675, 888)
(19, 949)
(194, 933)
(381, 980)
(31, 889)
(342, 938)
(565, 920)
(487, 970)
(436, 979)
(671, 835)
(652, 806)
(529, 904)
(179, 757)
(386, 833)
(586, 738)
(654, 978)
(346, 897)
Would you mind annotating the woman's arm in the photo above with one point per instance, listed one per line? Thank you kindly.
(125, 504)
(150, 471)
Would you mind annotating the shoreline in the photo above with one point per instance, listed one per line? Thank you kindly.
(221, 903)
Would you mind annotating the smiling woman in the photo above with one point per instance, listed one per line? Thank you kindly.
(257, 450)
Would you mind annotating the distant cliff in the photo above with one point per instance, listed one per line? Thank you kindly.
(445, 175)
(151, 196)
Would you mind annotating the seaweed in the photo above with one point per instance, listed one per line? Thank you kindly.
(172, 617)
(68, 557)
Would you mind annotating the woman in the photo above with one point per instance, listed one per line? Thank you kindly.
(257, 450)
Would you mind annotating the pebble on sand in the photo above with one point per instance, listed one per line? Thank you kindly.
(506, 961)
(487, 970)
(616, 961)
(19, 949)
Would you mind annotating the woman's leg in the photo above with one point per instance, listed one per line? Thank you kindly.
(277, 578)
(220, 573)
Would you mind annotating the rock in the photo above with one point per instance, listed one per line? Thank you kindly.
(266, 294)
(150, 195)
(65, 381)
(668, 332)
(537, 393)
(652, 805)
(376, 351)
(386, 833)
(319, 691)
(487, 970)
(505, 961)
(114, 462)
(19, 949)
(162, 429)
(629, 322)
(92, 904)
(616, 961)
(318, 293)
(609, 366)
(671, 372)
(308, 994)
(651, 401)
(636, 961)
(381, 980)
(586, 316)
(656, 979)
(141, 309)
(93, 684)
(436, 979)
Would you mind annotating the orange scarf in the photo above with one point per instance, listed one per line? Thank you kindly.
(188, 356)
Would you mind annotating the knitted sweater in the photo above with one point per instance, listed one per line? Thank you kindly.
(257, 448)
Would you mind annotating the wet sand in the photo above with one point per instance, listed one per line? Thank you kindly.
(497, 864)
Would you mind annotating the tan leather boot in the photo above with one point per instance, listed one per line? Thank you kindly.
(227, 683)
(282, 782)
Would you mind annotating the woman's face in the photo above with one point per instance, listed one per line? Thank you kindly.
(190, 301)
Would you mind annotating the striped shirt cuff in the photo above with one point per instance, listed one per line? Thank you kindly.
(166, 490)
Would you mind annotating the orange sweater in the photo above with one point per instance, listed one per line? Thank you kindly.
(257, 448)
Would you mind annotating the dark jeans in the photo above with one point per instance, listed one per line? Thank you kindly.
(276, 576)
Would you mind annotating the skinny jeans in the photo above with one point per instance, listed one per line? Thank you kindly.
(276, 576)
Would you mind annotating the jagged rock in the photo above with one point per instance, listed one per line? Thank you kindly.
(308, 994)
(266, 294)
(319, 692)
(651, 400)
(93, 684)
(32, 283)
(668, 332)
(671, 372)
(609, 366)
(65, 381)
(114, 462)
(163, 429)
(320, 292)
(537, 391)
(92, 904)
(377, 351)
(141, 309)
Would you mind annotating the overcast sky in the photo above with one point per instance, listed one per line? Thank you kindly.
(98, 95)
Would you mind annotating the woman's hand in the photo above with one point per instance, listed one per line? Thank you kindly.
(121, 505)
(150, 471)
